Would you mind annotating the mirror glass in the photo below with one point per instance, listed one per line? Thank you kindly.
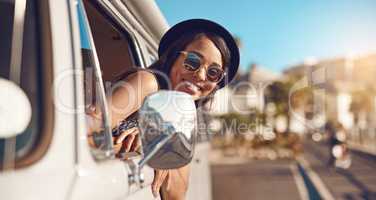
(168, 124)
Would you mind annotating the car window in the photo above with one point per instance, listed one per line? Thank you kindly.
(29, 77)
(104, 41)
(152, 57)
(114, 46)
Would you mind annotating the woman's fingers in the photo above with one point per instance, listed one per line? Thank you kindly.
(124, 134)
(117, 148)
(128, 142)
(159, 178)
(137, 143)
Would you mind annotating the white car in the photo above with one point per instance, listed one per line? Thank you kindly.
(61, 54)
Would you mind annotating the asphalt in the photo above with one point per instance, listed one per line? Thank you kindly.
(357, 182)
(254, 180)
(242, 179)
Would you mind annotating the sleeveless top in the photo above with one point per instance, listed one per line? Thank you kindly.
(131, 121)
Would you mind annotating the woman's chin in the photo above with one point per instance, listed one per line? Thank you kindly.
(195, 94)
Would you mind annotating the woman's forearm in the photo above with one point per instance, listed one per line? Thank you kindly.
(176, 186)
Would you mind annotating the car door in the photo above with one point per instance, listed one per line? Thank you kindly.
(200, 178)
(107, 49)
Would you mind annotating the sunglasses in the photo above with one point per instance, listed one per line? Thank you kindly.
(193, 61)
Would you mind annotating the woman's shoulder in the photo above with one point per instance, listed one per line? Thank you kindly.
(140, 76)
(143, 73)
(148, 77)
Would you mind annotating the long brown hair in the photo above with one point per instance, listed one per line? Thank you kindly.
(166, 61)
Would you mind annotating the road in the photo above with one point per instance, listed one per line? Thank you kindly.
(259, 179)
(358, 182)
(266, 179)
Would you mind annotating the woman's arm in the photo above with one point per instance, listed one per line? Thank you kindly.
(172, 183)
(127, 96)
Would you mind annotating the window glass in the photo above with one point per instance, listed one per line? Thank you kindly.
(115, 49)
(30, 74)
(152, 56)
(94, 93)
(115, 52)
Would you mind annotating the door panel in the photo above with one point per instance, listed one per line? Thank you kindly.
(200, 180)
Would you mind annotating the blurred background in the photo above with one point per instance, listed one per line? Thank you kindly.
(299, 121)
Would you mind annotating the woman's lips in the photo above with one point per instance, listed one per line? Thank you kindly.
(189, 87)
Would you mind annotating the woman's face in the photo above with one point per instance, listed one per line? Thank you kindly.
(196, 83)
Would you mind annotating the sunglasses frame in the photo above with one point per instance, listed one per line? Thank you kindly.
(185, 53)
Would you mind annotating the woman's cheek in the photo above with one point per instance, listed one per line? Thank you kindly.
(207, 90)
(174, 77)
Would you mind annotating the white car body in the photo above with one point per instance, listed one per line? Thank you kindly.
(67, 169)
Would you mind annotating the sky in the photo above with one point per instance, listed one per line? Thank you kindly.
(277, 34)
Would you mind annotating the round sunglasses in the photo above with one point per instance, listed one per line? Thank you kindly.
(193, 61)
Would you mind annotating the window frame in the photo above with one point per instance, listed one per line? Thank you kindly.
(107, 150)
(44, 58)
(116, 20)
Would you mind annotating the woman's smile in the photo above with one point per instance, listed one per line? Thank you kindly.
(190, 87)
(196, 82)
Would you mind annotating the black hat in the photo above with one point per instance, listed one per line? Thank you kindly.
(204, 25)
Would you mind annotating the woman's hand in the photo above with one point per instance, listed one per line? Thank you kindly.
(173, 183)
(128, 141)
(93, 123)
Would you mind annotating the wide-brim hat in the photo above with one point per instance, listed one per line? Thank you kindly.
(203, 25)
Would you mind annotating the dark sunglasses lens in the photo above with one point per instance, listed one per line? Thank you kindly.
(214, 74)
(192, 62)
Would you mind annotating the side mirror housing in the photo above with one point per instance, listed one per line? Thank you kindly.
(168, 126)
(15, 109)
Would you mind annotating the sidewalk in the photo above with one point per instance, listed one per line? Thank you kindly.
(240, 179)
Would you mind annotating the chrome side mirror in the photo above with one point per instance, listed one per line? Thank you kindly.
(168, 126)
(15, 109)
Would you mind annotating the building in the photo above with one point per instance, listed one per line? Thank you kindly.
(245, 92)
(338, 83)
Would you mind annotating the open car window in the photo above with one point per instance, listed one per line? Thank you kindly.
(24, 62)
(108, 51)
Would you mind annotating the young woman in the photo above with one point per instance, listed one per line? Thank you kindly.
(195, 56)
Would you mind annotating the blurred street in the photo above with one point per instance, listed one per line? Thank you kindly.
(262, 179)
(239, 178)
(302, 134)
(357, 182)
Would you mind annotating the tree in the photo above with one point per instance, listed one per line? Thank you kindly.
(362, 102)
(279, 93)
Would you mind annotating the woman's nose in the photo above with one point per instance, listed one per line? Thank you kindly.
(200, 74)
